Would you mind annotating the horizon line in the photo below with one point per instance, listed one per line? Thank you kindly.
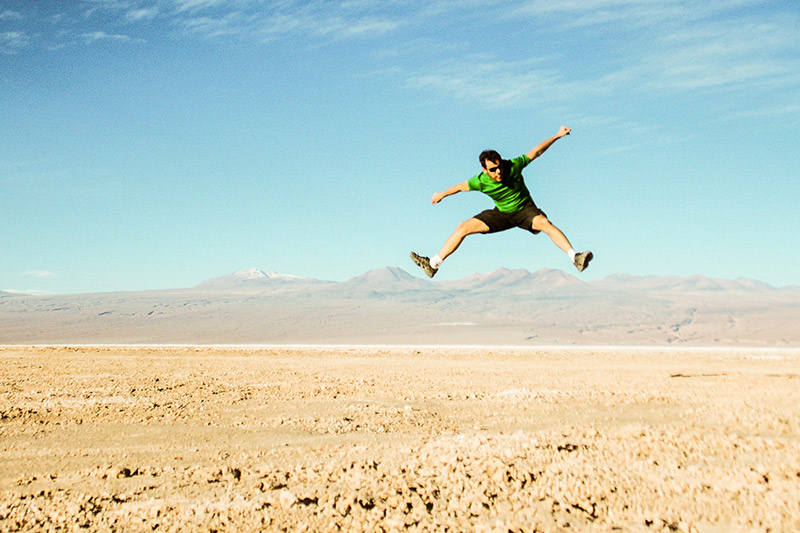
(34, 292)
(448, 347)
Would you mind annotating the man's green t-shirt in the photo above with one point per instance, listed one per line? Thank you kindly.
(511, 194)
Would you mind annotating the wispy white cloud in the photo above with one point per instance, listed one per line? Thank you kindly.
(680, 45)
(142, 14)
(231, 24)
(771, 111)
(343, 28)
(73, 24)
(626, 15)
(8, 14)
(726, 54)
(495, 84)
(12, 39)
(312, 21)
(103, 36)
(11, 42)
(191, 5)
(667, 47)
(630, 136)
(39, 274)
(94, 6)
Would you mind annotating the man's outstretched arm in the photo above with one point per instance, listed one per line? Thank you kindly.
(544, 145)
(458, 187)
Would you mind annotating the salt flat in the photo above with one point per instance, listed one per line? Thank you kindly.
(364, 438)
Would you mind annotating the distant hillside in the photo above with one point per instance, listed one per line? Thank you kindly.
(390, 306)
(251, 279)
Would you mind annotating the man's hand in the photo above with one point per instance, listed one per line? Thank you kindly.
(458, 187)
(542, 147)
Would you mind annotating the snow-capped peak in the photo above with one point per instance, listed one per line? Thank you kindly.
(254, 273)
(250, 273)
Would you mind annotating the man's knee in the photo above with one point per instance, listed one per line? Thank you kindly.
(541, 223)
(473, 225)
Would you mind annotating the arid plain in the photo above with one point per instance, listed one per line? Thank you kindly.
(395, 438)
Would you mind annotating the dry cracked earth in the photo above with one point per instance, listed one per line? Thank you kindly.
(393, 439)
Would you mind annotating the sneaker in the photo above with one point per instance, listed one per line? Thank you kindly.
(425, 264)
(582, 260)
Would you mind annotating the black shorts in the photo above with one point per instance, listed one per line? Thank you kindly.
(499, 221)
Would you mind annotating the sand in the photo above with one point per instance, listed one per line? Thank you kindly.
(380, 438)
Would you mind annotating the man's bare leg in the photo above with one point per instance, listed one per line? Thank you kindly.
(541, 223)
(580, 260)
(468, 227)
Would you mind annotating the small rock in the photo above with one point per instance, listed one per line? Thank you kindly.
(287, 498)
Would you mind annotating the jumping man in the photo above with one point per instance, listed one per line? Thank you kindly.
(502, 181)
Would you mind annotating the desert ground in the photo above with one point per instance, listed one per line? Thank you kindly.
(216, 438)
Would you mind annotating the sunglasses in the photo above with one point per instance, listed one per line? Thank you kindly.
(493, 169)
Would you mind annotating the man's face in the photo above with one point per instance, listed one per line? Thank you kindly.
(494, 170)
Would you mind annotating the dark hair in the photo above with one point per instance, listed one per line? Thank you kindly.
(489, 155)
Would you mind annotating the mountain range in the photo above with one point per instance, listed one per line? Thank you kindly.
(390, 306)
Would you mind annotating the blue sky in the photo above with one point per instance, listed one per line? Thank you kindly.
(153, 144)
